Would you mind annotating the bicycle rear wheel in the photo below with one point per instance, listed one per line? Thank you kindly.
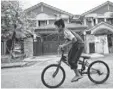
(98, 72)
(52, 76)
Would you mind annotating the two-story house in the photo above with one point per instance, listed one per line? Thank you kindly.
(42, 16)
(96, 24)
(99, 34)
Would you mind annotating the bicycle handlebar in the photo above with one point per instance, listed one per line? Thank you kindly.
(62, 49)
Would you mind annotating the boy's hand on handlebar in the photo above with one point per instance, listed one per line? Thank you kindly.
(61, 47)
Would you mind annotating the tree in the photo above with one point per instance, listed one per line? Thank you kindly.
(13, 23)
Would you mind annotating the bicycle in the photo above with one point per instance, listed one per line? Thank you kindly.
(91, 69)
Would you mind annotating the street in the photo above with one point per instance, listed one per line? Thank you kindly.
(30, 76)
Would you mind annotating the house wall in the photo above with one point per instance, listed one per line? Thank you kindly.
(100, 44)
(111, 8)
(34, 12)
(51, 21)
(101, 14)
(89, 39)
(28, 47)
(50, 11)
(45, 13)
(53, 13)
(101, 10)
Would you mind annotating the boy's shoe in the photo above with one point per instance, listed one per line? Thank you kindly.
(76, 78)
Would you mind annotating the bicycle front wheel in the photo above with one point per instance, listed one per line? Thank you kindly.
(98, 72)
(52, 76)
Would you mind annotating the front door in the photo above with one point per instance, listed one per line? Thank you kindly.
(92, 47)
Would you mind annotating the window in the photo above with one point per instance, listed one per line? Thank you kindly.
(100, 20)
(94, 21)
(66, 20)
(89, 22)
(42, 23)
(51, 21)
(110, 20)
(32, 23)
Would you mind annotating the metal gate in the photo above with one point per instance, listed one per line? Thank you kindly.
(46, 47)
(37, 47)
(50, 47)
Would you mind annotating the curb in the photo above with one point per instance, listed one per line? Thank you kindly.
(13, 65)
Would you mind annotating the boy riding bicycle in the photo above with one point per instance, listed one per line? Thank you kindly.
(76, 50)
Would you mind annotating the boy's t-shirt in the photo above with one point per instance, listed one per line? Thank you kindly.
(70, 35)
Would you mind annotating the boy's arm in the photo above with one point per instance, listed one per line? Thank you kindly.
(67, 43)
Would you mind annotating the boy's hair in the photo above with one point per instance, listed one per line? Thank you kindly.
(59, 23)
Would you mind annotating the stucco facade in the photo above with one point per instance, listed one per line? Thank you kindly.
(42, 17)
(96, 24)
(100, 27)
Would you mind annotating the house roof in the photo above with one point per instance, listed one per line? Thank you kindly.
(99, 27)
(106, 3)
(44, 4)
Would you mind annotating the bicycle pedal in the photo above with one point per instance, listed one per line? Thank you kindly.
(75, 80)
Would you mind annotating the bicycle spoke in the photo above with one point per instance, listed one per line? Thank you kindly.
(53, 77)
(98, 72)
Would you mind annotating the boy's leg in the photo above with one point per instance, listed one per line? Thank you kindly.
(75, 55)
(71, 56)
(78, 54)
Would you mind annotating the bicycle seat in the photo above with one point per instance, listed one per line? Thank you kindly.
(85, 57)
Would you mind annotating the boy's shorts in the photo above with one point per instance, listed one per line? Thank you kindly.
(74, 54)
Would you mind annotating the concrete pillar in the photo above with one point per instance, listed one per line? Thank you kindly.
(85, 21)
(105, 20)
(37, 23)
(68, 21)
(96, 20)
(47, 22)
(28, 47)
(87, 44)
(112, 45)
(92, 22)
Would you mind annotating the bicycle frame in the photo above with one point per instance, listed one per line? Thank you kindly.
(63, 58)
(84, 64)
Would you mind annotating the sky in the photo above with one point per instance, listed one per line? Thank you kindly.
(76, 7)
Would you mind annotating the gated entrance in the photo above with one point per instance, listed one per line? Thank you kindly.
(48, 45)
(37, 47)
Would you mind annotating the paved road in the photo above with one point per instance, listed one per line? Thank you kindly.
(30, 77)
